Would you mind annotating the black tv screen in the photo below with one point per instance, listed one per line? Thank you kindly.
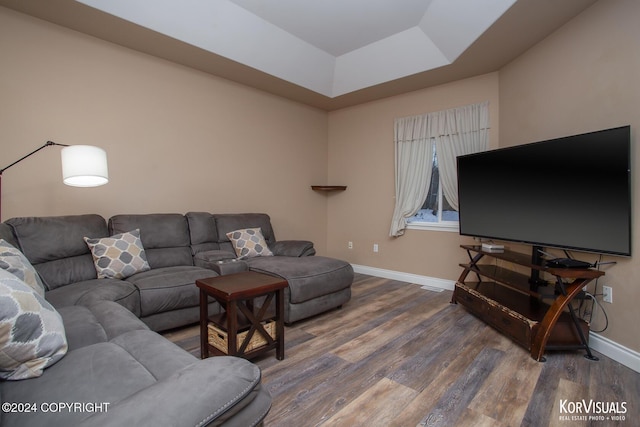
(570, 193)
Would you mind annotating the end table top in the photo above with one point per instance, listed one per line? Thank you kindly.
(246, 284)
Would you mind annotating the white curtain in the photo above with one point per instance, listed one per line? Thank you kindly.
(457, 131)
(414, 161)
(465, 131)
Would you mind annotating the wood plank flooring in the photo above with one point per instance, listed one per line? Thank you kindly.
(399, 355)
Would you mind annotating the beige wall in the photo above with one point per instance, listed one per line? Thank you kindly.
(177, 139)
(585, 78)
(580, 79)
(362, 157)
(180, 140)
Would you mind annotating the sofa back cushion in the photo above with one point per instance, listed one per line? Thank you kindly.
(6, 234)
(55, 246)
(165, 237)
(203, 232)
(226, 223)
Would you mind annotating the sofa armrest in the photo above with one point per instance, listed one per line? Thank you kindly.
(212, 390)
(294, 248)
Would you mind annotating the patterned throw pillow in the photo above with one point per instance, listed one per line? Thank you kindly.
(119, 256)
(249, 243)
(14, 261)
(31, 331)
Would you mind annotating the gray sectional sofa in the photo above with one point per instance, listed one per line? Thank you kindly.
(113, 354)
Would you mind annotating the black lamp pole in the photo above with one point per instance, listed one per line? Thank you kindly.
(47, 144)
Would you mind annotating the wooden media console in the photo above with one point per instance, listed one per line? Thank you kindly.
(537, 316)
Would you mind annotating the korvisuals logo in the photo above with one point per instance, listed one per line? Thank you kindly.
(592, 410)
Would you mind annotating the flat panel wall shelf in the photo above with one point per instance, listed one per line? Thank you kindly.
(329, 187)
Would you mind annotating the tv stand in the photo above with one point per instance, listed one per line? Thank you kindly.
(538, 316)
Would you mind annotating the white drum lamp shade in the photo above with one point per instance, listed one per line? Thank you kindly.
(84, 166)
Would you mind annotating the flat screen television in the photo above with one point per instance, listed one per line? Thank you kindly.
(572, 193)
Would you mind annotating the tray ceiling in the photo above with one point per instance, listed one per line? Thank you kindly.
(329, 53)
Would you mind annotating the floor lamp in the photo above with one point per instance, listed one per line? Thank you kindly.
(82, 166)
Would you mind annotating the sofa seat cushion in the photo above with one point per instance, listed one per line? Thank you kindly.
(81, 326)
(169, 288)
(212, 392)
(104, 372)
(309, 277)
(88, 292)
(100, 322)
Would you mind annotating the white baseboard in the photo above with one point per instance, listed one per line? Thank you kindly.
(615, 351)
(431, 283)
(605, 346)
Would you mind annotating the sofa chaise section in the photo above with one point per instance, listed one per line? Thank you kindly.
(316, 284)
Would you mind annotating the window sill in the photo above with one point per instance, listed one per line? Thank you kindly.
(430, 226)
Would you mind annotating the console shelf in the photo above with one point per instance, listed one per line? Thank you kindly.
(537, 317)
(516, 281)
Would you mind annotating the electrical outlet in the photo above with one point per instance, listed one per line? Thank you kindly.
(350, 245)
(607, 294)
(375, 247)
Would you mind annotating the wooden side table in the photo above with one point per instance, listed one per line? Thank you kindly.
(236, 293)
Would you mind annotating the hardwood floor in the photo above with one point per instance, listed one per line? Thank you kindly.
(399, 355)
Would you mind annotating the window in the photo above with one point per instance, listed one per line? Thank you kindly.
(436, 212)
(426, 148)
